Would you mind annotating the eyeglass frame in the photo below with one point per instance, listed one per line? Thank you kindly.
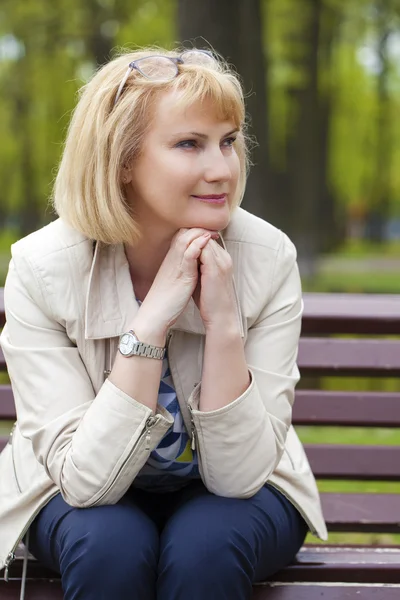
(176, 60)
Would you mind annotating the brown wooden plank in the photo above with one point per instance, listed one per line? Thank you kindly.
(351, 313)
(51, 590)
(365, 357)
(346, 564)
(312, 407)
(2, 361)
(2, 315)
(367, 513)
(312, 564)
(338, 591)
(35, 589)
(336, 461)
(350, 409)
(7, 407)
(338, 313)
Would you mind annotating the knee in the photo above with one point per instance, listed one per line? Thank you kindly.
(112, 547)
(218, 550)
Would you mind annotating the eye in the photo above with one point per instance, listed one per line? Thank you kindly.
(187, 144)
(229, 141)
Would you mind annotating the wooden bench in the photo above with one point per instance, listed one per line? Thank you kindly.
(321, 571)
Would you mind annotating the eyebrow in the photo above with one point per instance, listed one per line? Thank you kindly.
(203, 135)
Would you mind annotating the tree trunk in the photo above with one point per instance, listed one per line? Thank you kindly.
(381, 191)
(234, 29)
(304, 145)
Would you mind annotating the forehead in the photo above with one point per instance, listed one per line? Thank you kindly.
(171, 115)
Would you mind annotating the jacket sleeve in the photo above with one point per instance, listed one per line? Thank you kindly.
(242, 443)
(91, 446)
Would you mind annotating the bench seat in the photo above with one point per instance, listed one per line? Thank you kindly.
(322, 572)
(326, 572)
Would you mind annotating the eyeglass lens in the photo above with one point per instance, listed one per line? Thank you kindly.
(157, 67)
(198, 58)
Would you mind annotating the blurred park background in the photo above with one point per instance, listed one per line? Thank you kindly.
(322, 79)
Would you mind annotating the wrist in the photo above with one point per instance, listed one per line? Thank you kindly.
(149, 332)
(227, 328)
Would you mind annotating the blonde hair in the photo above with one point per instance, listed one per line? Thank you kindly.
(102, 139)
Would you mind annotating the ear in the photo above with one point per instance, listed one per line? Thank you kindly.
(126, 175)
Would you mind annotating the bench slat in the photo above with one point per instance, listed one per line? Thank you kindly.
(338, 313)
(2, 315)
(361, 513)
(312, 407)
(324, 356)
(339, 591)
(313, 563)
(51, 590)
(46, 589)
(350, 409)
(381, 463)
(368, 314)
(2, 361)
(364, 463)
(7, 407)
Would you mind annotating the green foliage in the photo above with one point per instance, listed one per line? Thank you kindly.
(348, 79)
(47, 52)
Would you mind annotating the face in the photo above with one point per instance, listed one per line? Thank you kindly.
(188, 171)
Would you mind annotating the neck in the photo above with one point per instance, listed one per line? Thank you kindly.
(146, 256)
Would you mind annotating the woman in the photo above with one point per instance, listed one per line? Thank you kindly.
(151, 340)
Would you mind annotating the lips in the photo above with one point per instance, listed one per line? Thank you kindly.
(212, 198)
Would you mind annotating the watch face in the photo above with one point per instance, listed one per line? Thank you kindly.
(126, 343)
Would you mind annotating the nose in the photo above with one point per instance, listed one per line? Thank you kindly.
(216, 167)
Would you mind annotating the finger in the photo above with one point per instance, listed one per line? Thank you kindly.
(216, 258)
(207, 256)
(185, 237)
(195, 249)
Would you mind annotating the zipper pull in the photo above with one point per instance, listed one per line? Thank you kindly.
(193, 438)
(193, 445)
(148, 438)
(10, 558)
(149, 423)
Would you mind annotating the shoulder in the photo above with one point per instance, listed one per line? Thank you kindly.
(50, 260)
(246, 228)
(50, 239)
(258, 238)
(263, 256)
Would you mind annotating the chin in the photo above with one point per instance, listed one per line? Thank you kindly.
(215, 220)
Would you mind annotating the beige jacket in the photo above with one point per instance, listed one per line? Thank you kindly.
(67, 301)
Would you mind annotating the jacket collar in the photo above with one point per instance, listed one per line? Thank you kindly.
(111, 303)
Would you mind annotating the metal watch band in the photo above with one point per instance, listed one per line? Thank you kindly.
(147, 350)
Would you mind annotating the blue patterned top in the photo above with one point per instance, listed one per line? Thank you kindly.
(173, 463)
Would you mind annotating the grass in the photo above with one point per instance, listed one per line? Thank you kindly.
(364, 249)
(374, 282)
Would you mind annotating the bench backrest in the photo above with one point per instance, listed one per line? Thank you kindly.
(370, 348)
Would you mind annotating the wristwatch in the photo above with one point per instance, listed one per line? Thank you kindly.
(129, 345)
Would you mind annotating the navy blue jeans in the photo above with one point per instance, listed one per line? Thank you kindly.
(185, 544)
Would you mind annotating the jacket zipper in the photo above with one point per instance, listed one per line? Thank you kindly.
(193, 428)
(146, 435)
(11, 555)
(150, 422)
